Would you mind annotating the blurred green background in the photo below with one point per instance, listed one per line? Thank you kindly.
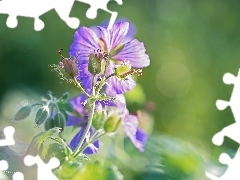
(191, 45)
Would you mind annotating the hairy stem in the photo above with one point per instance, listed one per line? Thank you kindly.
(80, 87)
(76, 151)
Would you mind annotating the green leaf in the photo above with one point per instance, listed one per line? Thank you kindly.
(36, 144)
(68, 169)
(113, 173)
(22, 113)
(54, 150)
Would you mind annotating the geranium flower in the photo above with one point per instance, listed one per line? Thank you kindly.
(129, 123)
(113, 45)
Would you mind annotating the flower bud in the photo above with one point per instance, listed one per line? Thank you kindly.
(112, 123)
(123, 70)
(98, 120)
(70, 67)
(59, 120)
(95, 64)
(22, 113)
(41, 115)
(49, 124)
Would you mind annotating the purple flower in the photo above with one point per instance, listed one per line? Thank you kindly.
(130, 125)
(108, 41)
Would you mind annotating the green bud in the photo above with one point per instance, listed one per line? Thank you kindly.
(112, 123)
(22, 113)
(41, 115)
(70, 67)
(94, 65)
(98, 120)
(123, 71)
(65, 96)
(49, 124)
(59, 120)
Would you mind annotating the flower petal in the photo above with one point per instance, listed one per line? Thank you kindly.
(85, 40)
(91, 149)
(74, 121)
(112, 37)
(130, 124)
(134, 51)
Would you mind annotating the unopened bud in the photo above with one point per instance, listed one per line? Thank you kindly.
(98, 120)
(94, 64)
(59, 120)
(125, 70)
(49, 124)
(22, 113)
(112, 123)
(41, 115)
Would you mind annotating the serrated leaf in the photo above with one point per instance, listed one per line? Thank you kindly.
(54, 150)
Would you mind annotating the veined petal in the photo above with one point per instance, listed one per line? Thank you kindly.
(134, 51)
(116, 86)
(85, 40)
(130, 125)
(112, 37)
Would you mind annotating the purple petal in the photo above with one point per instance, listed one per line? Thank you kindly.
(134, 51)
(141, 136)
(112, 37)
(77, 103)
(85, 40)
(132, 27)
(91, 149)
(74, 121)
(130, 124)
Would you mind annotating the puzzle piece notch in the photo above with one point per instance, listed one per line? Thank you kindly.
(100, 4)
(3, 165)
(44, 170)
(232, 131)
(34, 9)
(8, 132)
(234, 102)
(232, 173)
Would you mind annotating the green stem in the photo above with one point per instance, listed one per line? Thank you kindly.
(76, 151)
(88, 143)
(80, 87)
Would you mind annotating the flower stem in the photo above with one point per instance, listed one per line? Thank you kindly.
(88, 143)
(76, 151)
(80, 87)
